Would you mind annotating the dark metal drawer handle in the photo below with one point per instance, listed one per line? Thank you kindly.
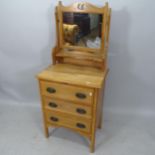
(80, 125)
(81, 111)
(52, 104)
(51, 90)
(54, 119)
(81, 95)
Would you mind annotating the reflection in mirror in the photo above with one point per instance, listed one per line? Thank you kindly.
(82, 29)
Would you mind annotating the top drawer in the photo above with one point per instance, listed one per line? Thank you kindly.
(67, 92)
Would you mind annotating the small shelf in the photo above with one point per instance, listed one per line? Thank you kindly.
(81, 55)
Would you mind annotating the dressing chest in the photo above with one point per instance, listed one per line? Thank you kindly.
(72, 87)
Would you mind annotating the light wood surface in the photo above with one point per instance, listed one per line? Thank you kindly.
(69, 121)
(72, 88)
(101, 54)
(81, 62)
(81, 55)
(94, 121)
(64, 91)
(44, 117)
(87, 8)
(67, 107)
(72, 74)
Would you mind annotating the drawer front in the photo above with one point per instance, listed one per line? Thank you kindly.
(67, 92)
(67, 106)
(70, 121)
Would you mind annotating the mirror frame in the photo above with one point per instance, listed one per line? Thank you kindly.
(81, 7)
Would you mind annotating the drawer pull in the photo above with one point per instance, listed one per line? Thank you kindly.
(81, 95)
(81, 111)
(52, 104)
(54, 119)
(51, 90)
(80, 125)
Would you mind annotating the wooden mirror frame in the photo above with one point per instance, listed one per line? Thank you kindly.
(99, 56)
(82, 7)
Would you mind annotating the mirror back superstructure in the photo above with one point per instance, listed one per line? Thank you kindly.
(78, 55)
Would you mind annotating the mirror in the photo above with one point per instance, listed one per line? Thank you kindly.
(82, 29)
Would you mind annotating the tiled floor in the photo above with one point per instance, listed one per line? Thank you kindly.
(21, 133)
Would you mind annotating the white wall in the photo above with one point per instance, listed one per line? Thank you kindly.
(27, 34)
(131, 82)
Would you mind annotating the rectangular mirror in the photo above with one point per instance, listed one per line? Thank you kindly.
(82, 29)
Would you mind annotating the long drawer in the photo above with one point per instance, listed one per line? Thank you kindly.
(67, 107)
(70, 121)
(67, 92)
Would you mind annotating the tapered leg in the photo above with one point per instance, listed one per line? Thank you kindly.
(43, 113)
(92, 143)
(101, 107)
(45, 125)
(46, 131)
(94, 125)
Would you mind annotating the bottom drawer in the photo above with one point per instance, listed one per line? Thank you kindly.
(69, 121)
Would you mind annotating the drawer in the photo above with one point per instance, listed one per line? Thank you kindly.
(67, 106)
(67, 92)
(70, 121)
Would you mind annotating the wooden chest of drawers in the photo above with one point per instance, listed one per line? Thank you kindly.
(70, 103)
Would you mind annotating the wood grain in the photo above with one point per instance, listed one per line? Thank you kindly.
(73, 74)
(68, 107)
(69, 121)
(72, 88)
(83, 7)
(67, 92)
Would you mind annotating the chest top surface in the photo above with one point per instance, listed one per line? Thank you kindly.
(72, 74)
